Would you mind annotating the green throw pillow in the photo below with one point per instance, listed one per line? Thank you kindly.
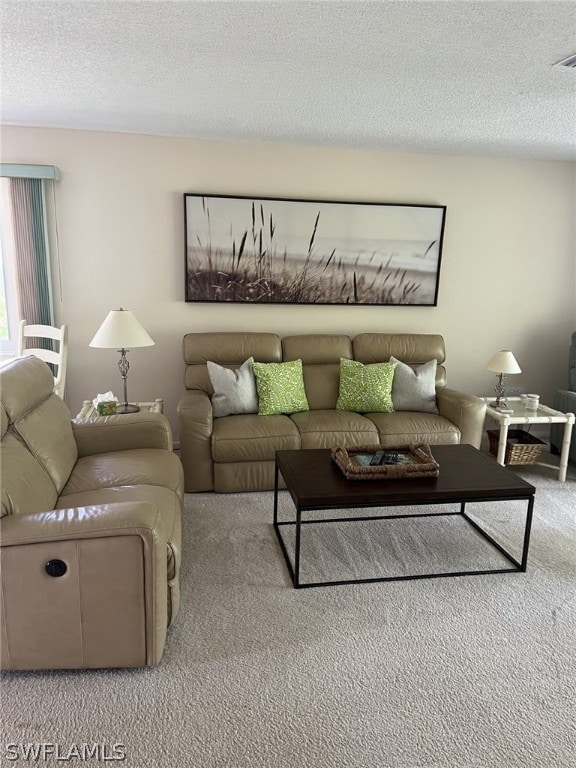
(365, 388)
(280, 388)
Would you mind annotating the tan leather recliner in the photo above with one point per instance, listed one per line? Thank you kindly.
(89, 533)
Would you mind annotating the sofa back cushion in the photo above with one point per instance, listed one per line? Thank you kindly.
(229, 349)
(320, 354)
(39, 418)
(410, 348)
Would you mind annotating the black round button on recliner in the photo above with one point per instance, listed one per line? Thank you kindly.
(56, 568)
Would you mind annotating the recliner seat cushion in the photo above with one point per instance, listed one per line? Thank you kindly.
(404, 427)
(252, 437)
(324, 429)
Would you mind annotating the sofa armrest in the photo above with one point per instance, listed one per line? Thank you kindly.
(196, 423)
(565, 401)
(122, 432)
(466, 411)
(109, 609)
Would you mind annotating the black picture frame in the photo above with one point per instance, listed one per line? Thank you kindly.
(271, 250)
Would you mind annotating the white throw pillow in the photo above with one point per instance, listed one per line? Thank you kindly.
(234, 391)
(414, 389)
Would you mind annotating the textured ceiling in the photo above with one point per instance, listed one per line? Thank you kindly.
(465, 77)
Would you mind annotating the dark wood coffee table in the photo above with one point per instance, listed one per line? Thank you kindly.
(466, 475)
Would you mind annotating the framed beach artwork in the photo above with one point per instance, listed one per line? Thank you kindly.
(281, 251)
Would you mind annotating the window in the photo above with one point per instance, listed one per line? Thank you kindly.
(25, 280)
(8, 292)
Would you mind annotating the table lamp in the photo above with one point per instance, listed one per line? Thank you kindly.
(503, 363)
(121, 330)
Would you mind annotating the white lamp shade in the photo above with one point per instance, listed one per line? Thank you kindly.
(503, 362)
(121, 330)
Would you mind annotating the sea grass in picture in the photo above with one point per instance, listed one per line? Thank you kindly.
(241, 249)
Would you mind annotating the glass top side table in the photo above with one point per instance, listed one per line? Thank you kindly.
(89, 412)
(517, 413)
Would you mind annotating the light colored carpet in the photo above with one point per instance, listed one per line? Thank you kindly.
(467, 672)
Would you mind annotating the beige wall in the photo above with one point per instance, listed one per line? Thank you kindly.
(508, 276)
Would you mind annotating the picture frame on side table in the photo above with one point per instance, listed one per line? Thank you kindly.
(285, 251)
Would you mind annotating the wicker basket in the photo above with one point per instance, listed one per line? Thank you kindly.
(521, 446)
(422, 463)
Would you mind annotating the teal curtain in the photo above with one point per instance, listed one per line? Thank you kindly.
(32, 265)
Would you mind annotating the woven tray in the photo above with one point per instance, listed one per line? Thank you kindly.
(521, 446)
(422, 463)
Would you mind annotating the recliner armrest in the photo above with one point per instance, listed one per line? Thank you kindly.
(109, 607)
(122, 432)
(565, 401)
(466, 411)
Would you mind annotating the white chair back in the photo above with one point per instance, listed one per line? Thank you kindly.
(57, 359)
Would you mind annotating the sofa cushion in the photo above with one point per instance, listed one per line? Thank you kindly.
(404, 427)
(253, 438)
(414, 388)
(326, 428)
(321, 383)
(280, 388)
(316, 348)
(320, 354)
(231, 347)
(141, 466)
(234, 390)
(227, 348)
(411, 348)
(365, 387)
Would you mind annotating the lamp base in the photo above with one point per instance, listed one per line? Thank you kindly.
(127, 408)
(501, 407)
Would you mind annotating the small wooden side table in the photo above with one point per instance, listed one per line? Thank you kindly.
(89, 412)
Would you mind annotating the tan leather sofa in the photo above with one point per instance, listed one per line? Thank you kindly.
(89, 533)
(236, 453)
